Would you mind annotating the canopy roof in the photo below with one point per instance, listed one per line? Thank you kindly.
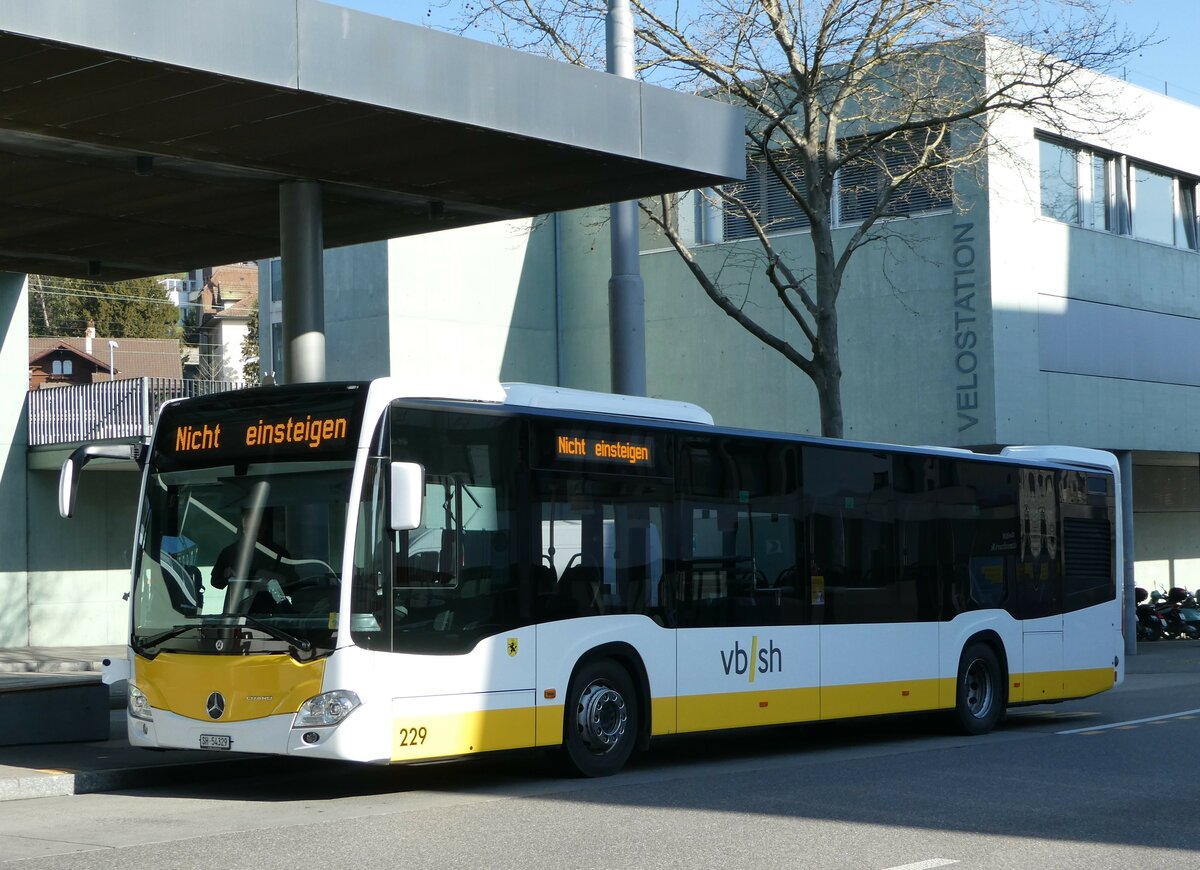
(141, 137)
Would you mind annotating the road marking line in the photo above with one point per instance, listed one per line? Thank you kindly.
(925, 865)
(1131, 722)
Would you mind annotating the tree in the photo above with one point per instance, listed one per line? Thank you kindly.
(137, 308)
(892, 97)
(250, 362)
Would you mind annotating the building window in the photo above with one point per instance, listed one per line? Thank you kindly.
(1101, 205)
(856, 190)
(1164, 207)
(768, 199)
(1082, 187)
(275, 272)
(61, 367)
(860, 183)
(277, 350)
(1153, 199)
(1058, 181)
(1188, 231)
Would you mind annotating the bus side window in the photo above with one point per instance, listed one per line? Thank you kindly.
(601, 544)
(740, 553)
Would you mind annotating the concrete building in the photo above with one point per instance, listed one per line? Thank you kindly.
(1054, 299)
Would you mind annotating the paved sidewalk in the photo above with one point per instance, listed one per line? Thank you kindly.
(43, 770)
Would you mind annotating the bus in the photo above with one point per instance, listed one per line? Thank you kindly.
(399, 572)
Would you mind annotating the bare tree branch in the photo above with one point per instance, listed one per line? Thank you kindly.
(853, 107)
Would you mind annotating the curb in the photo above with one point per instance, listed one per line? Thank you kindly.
(33, 666)
(62, 784)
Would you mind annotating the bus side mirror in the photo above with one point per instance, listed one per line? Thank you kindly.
(68, 478)
(408, 495)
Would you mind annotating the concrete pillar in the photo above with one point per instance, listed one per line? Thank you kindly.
(626, 292)
(301, 251)
(14, 439)
(1125, 458)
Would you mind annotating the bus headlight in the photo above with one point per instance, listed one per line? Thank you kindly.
(328, 709)
(139, 707)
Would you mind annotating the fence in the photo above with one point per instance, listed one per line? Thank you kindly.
(107, 409)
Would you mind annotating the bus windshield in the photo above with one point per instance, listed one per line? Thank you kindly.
(243, 526)
(248, 559)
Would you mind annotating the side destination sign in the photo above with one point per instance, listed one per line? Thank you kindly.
(628, 451)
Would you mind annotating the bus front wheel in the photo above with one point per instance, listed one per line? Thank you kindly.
(980, 699)
(601, 719)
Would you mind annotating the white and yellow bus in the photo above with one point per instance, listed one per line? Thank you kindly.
(392, 572)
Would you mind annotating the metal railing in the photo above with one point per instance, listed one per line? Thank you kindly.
(108, 409)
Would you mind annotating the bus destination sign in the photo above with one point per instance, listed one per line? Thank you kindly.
(204, 432)
(310, 432)
(627, 451)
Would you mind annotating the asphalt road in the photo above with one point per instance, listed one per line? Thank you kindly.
(1081, 784)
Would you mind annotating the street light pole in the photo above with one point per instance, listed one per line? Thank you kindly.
(112, 345)
(626, 292)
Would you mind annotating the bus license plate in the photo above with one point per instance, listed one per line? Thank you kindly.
(215, 741)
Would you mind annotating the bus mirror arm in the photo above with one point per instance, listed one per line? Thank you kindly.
(407, 496)
(68, 478)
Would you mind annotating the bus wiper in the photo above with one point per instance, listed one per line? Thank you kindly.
(224, 621)
(155, 640)
(277, 633)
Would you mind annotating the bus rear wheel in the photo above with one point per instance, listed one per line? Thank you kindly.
(981, 699)
(601, 722)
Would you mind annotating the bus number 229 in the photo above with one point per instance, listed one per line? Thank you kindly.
(413, 736)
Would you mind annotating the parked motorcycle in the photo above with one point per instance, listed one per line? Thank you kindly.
(1185, 606)
(1150, 624)
(1169, 607)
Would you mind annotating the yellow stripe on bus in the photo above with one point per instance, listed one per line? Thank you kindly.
(1030, 688)
(747, 709)
(418, 737)
(878, 699)
(251, 687)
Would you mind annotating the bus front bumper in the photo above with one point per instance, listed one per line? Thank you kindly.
(355, 739)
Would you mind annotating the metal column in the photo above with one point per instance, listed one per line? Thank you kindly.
(301, 251)
(626, 292)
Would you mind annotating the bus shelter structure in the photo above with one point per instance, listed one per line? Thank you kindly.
(141, 137)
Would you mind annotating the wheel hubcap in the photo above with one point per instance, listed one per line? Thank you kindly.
(601, 718)
(977, 682)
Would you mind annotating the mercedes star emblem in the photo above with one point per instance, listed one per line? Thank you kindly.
(216, 705)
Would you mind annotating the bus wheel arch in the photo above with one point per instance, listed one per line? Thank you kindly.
(981, 684)
(608, 682)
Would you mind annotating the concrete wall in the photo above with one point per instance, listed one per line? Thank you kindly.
(356, 312)
(14, 362)
(79, 568)
(474, 302)
(896, 315)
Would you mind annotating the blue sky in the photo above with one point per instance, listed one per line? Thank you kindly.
(1171, 64)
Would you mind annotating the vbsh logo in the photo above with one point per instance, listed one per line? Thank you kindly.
(766, 660)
